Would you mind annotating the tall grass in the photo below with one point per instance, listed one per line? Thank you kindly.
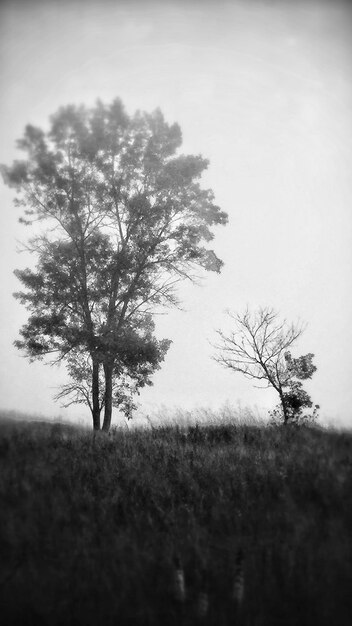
(224, 524)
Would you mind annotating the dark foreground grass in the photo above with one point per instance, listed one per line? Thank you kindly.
(254, 521)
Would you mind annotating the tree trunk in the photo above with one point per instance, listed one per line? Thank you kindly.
(95, 394)
(284, 409)
(108, 396)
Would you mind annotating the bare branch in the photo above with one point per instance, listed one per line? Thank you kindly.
(256, 347)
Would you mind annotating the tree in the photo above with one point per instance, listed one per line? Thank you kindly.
(123, 221)
(258, 348)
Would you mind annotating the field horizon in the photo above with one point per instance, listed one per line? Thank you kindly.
(164, 416)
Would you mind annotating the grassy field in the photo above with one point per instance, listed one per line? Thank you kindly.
(227, 524)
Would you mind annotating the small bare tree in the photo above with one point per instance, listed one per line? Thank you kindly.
(258, 348)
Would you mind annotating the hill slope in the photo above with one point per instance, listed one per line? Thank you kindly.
(213, 525)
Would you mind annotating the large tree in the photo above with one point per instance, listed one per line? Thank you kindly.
(124, 218)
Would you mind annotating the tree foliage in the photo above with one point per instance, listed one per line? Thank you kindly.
(258, 348)
(123, 219)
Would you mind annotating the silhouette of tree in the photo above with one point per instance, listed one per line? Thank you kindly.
(124, 220)
(258, 348)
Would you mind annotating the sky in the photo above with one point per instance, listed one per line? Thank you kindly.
(263, 90)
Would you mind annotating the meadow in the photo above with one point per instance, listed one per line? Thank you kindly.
(220, 524)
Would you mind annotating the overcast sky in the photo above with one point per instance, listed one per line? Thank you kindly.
(263, 90)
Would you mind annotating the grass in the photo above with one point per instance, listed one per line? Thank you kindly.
(227, 524)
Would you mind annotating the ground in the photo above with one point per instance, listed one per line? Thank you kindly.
(218, 524)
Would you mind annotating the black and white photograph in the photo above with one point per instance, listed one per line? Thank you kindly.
(176, 312)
